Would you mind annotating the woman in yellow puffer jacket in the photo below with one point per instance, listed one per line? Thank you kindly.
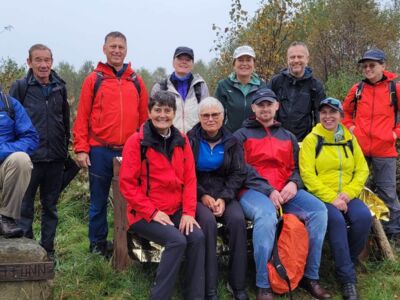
(334, 169)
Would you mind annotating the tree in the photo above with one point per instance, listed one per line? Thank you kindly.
(269, 33)
(9, 72)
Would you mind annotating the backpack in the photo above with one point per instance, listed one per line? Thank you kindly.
(320, 143)
(100, 77)
(8, 107)
(289, 254)
(197, 88)
(392, 93)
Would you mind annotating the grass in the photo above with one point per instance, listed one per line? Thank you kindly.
(83, 275)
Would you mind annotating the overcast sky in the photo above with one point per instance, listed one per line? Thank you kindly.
(75, 29)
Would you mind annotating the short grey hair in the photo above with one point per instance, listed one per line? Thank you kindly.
(210, 102)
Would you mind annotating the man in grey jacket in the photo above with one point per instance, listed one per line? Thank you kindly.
(187, 88)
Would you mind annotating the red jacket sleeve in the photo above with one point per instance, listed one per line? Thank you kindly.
(190, 183)
(81, 125)
(130, 172)
(348, 107)
(143, 102)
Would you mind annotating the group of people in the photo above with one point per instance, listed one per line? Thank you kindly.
(191, 160)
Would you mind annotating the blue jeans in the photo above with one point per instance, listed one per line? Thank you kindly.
(347, 235)
(100, 176)
(259, 208)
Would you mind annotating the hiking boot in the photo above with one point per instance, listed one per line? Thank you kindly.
(104, 248)
(315, 289)
(264, 294)
(9, 228)
(237, 294)
(349, 291)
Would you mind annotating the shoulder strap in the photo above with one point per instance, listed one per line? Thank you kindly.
(318, 147)
(357, 97)
(22, 87)
(313, 90)
(393, 99)
(143, 157)
(97, 84)
(135, 82)
(197, 91)
(7, 105)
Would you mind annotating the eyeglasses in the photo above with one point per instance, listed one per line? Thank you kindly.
(213, 116)
(371, 65)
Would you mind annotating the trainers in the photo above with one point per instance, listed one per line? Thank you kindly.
(315, 289)
(349, 291)
(264, 294)
(9, 228)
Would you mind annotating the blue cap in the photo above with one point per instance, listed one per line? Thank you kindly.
(264, 94)
(373, 54)
(333, 103)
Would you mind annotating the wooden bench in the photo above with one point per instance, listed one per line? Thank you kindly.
(145, 251)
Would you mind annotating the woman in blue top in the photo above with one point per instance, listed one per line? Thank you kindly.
(220, 170)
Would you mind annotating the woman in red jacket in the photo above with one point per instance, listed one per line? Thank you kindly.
(158, 181)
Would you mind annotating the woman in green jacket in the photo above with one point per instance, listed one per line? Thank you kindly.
(236, 92)
(334, 169)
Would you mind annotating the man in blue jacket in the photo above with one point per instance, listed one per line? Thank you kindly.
(18, 139)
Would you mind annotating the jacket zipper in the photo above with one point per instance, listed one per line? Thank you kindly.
(372, 119)
(340, 168)
(121, 112)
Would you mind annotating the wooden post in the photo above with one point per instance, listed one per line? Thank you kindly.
(120, 260)
(382, 241)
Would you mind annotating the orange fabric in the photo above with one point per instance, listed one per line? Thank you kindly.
(293, 251)
(374, 120)
(116, 112)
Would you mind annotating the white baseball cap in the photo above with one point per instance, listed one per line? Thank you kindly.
(244, 50)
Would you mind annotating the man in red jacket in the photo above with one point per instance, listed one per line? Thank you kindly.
(112, 106)
(370, 114)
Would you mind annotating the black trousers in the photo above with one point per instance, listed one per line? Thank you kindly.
(234, 220)
(177, 245)
(48, 177)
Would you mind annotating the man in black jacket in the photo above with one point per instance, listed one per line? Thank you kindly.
(42, 92)
(299, 93)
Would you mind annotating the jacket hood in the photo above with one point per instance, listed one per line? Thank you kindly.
(307, 74)
(329, 135)
(107, 70)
